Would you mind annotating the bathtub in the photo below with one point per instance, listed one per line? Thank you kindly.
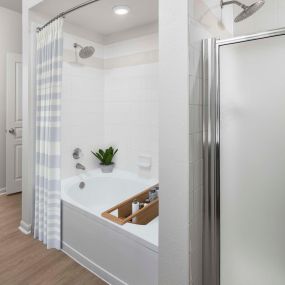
(119, 254)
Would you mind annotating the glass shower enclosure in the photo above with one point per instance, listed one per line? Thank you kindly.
(244, 160)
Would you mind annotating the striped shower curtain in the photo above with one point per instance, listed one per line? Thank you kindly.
(47, 216)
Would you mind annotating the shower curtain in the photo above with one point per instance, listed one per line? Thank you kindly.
(47, 216)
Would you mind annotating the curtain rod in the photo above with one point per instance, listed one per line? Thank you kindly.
(63, 14)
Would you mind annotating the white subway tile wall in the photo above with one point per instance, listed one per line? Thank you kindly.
(117, 106)
(82, 115)
(131, 114)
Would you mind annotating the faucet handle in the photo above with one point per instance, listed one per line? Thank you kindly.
(80, 166)
(76, 153)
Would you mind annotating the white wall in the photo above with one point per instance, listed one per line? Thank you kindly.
(270, 16)
(112, 99)
(174, 246)
(11, 36)
(206, 21)
(131, 102)
(82, 106)
(28, 141)
(82, 115)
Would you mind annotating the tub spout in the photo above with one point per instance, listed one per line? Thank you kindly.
(80, 166)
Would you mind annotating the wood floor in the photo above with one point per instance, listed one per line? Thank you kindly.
(25, 261)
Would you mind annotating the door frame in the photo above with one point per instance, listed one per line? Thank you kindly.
(211, 150)
(11, 59)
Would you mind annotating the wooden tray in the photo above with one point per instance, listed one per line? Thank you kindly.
(124, 210)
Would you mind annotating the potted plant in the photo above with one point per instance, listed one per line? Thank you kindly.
(106, 159)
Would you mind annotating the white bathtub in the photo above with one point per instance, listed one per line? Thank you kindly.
(125, 254)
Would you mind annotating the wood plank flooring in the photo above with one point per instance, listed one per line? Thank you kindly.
(25, 261)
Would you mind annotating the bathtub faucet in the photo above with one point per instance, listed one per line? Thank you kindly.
(80, 166)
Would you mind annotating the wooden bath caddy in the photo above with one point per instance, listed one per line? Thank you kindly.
(124, 210)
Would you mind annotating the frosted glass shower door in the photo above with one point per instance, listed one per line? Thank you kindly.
(252, 162)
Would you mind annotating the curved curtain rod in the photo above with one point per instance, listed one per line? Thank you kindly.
(63, 14)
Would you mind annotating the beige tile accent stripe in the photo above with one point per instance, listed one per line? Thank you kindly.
(132, 60)
(69, 56)
(116, 62)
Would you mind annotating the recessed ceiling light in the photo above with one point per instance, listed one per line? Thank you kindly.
(121, 10)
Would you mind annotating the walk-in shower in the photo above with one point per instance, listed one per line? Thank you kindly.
(244, 159)
(247, 10)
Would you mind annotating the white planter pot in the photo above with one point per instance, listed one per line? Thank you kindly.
(107, 168)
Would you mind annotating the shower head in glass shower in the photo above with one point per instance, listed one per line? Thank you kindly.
(247, 10)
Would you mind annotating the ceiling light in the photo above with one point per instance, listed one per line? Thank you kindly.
(121, 10)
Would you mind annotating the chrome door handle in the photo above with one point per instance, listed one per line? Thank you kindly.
(12, 131)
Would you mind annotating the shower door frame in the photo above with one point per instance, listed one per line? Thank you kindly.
(211, 150)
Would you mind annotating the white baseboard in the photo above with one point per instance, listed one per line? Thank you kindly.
(2, 191)
(25, 228)
(91, 266)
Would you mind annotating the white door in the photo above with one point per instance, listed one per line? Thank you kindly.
(252, 173)
(14, 124)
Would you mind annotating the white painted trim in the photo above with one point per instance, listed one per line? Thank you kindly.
(91, 266)
(25, 228)
(174, 90)
(3, 191)
(13, 185)
(28, 112)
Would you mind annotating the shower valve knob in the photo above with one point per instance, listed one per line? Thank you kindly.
(76, 153)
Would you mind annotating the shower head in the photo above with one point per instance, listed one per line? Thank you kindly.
(85, 52)
(247, 10)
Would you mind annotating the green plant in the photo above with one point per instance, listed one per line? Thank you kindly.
(106, 156)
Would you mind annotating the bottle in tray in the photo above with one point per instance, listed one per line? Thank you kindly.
(135, 208)
(152, 195)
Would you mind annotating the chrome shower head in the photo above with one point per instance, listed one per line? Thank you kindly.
(85, 52)
(247, 10)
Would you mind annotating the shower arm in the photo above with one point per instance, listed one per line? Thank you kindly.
(233, 2)
(77, 45)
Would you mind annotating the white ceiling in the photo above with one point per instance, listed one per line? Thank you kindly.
(99, 16)
(15, 5)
